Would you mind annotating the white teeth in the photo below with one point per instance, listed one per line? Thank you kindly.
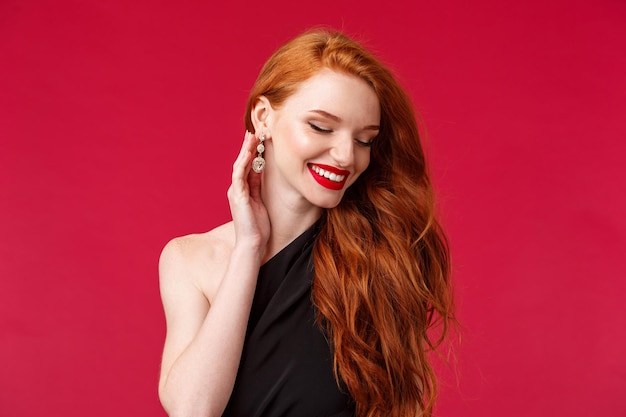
(327, 174)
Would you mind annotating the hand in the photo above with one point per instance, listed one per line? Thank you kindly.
(250, 217)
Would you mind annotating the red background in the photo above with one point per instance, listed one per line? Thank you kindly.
(119, 122)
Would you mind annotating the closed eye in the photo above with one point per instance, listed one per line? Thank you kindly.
(319, 129)
(365, 143)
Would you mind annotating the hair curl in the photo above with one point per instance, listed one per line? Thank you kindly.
(382, 271)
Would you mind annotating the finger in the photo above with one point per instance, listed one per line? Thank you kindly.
(242, 163)
(254, 183)
(245, 148)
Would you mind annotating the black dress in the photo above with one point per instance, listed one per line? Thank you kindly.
(286, 366)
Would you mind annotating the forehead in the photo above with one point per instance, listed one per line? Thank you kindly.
(338, 93)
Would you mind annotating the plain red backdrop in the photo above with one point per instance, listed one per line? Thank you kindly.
(119, 122)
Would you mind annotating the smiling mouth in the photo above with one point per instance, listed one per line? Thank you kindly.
(332, 176)
(328, 176)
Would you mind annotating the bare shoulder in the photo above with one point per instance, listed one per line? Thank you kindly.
(197, 260)
(191, 269)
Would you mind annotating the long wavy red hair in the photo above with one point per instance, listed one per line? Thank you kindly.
(382, 275)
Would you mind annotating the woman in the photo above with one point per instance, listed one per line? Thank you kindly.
(317, 298)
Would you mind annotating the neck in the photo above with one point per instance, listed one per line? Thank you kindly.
(289, 218)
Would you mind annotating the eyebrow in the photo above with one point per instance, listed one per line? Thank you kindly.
(338, 119)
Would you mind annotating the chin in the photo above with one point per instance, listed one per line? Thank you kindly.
(329, 206)
(327, 203)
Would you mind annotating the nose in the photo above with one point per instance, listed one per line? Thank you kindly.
(342, 151)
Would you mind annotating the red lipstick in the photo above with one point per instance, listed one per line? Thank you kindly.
(336, 177)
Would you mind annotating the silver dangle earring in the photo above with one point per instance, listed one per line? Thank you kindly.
(258, 164)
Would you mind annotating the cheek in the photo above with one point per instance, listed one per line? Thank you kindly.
(282, 133)
(363, 160)
(297, 142)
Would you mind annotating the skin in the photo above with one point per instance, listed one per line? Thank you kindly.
(208, 280)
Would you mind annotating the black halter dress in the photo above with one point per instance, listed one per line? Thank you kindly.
(286, 367)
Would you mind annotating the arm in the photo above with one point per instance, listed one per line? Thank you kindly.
(204, 343)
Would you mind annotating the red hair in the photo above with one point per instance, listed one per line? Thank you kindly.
(382, 276)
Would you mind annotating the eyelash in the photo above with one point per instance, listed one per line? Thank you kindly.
(320, 130)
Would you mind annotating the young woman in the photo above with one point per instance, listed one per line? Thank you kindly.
(317, 298)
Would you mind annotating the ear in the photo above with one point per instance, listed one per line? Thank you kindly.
(261, 115)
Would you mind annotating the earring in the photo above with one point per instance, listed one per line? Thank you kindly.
(258, 164)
